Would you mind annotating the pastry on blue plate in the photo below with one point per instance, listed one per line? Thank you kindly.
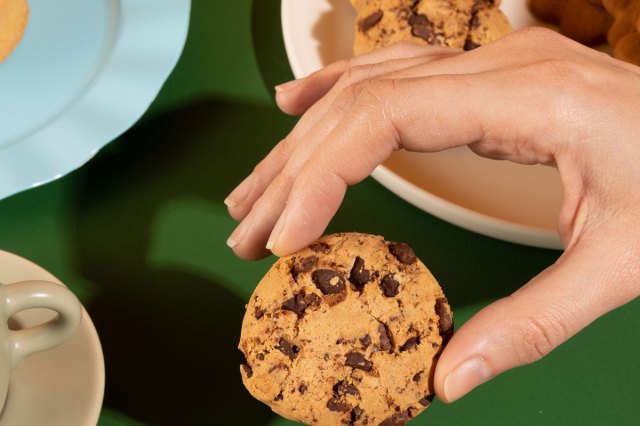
(14, 15)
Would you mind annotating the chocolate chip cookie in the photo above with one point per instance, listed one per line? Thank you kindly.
(346, 331)
(454, 23)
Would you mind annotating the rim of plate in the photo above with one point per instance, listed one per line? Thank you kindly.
(424, 200)
(147, 44)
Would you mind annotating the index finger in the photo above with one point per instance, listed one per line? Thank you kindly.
(297, 96)
(422, 114)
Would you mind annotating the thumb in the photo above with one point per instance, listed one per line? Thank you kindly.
(522, 328)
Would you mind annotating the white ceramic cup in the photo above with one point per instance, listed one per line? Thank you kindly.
(16, 345)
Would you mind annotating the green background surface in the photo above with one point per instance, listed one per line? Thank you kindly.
(139, 235)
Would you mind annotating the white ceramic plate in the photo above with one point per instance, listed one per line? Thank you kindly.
(60, 387)
(495, 198)
(84, 72)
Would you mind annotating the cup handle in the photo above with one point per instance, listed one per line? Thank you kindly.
(40, 294)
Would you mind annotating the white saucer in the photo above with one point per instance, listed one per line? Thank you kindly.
(495, 198)
(60, 387)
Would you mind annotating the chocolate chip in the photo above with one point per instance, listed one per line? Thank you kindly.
(411, 343)
(389, 286)
(426, 400)
(306, 263)
(259, 313)
(475, 21)
(260, 356)
(303, 265)
(295, 304)
(357, 360)
(356, 413)
(280, 397)
(328, 281)
(417, 376)
(479, 4)
(470, 45)
(398, 419)
(413, 411)
(366, 23)
(403, 253)
(403, 13)
(247, 370)
(359, 276)
(312, 300)
(293, 270)
(343, 388)
(386, 342)
(320, 247)
(302, 389)
(334, 404)
(287, 348)
(334, 299)
(366, 341)
(300, 302)
(423, 28)
(445, 322)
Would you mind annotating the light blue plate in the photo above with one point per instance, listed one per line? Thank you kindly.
(84, 72)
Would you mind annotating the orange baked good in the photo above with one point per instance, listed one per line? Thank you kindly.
(624, 35)
(586, 21)
(14, 15)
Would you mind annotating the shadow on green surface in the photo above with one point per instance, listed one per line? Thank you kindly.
(169, 335)
(170, 332)
(269, 50)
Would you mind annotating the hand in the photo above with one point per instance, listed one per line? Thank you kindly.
(532, 97)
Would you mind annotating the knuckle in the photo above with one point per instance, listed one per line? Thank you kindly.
(345, 99)
(371, 99)
(349, 62)
(375, 103)
(539, 36)
(566, 71)
(373, 92)
(368, 93)
(355, 74)
(574, 83)
(538, 335)
(261, 168)
(573, 75)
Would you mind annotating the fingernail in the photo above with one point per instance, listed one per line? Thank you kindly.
(241, 192)
(277, 230)
(289, 85)
(273, 238)
(232, 242)
(270, 244)
(236, 235)
(466, 377)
